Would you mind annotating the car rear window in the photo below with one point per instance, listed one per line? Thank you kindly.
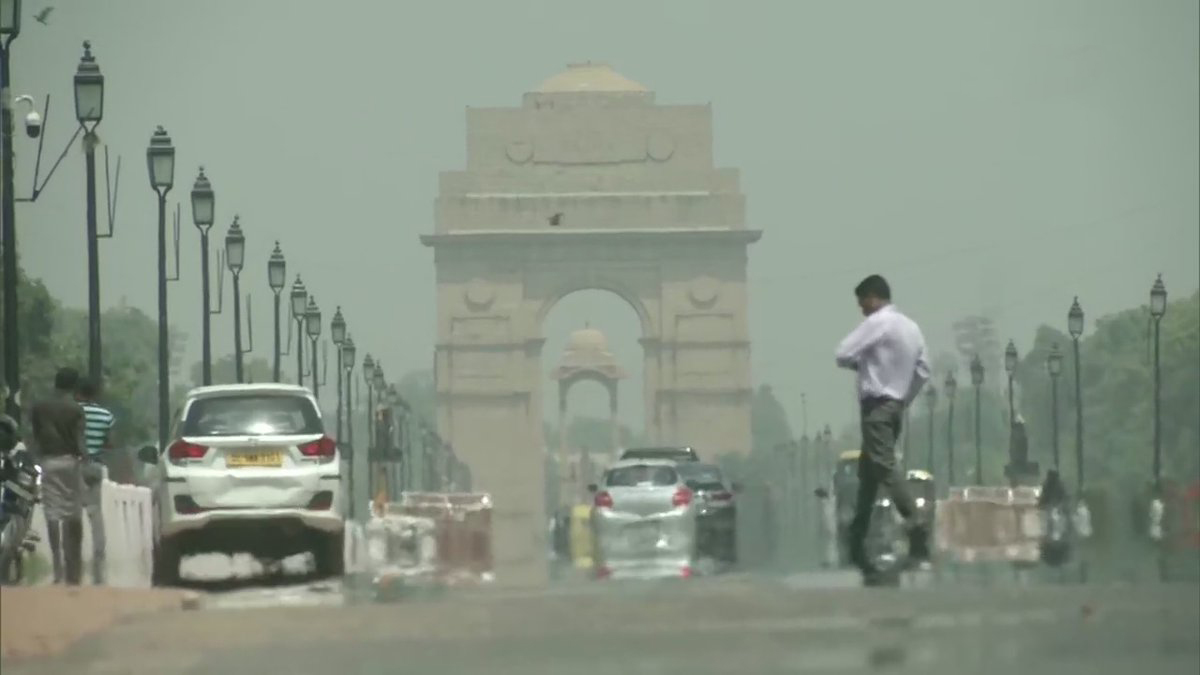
(704, 477)
(639, 475)
(252, 415)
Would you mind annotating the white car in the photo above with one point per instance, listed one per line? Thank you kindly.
(249, 469)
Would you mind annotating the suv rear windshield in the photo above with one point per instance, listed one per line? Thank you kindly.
(639, 475)
(685, 454)
(252, 415)
(702, 476)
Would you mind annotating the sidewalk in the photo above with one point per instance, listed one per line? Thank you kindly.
(41, 621)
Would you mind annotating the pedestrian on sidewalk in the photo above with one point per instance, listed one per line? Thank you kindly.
(98, 424)
(887, 351)
(57, 443)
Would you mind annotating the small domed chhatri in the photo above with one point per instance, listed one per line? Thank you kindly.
(587, 339)
(589, 77)
(587, 352)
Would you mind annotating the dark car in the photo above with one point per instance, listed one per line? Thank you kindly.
(716, 510)
(672, 453)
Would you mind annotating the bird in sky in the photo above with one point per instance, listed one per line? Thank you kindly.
(42, 16)
(555, 220)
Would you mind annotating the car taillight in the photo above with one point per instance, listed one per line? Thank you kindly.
(182, 450)
(603, 500)
(683, 497)
(324, 448)
(603, 572)
(686, 572)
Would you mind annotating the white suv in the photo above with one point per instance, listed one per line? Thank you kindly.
(249, 469)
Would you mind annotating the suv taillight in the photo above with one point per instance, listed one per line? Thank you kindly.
(181, 451)
(324, 448)
(603, 500)
(682, 497)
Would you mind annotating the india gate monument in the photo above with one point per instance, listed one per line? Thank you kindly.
(587, 185)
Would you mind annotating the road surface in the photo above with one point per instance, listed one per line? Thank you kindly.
(814, 623)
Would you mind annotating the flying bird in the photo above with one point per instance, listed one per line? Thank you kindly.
(43, 15)
(555, 220)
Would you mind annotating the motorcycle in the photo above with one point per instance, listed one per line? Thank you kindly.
(20, 488)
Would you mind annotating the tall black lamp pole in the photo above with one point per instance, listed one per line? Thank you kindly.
(1075, 328)
(160, 162)
(277, 278)
(89, 109)
(299, 302)
(337, 334)
(950, 387)
(931, 400)
(203, 206)
(235, 258)
(977, 382)
(1158, 308)
(10, 28)
(312, 325)
(1054, 367)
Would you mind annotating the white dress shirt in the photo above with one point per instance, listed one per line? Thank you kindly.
(888, 352)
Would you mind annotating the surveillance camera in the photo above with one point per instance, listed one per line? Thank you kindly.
(33, 124)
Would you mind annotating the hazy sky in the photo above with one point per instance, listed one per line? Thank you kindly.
(984, 156)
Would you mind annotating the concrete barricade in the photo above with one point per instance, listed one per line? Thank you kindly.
(129, 532)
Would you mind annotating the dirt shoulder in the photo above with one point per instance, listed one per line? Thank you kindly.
(43, 621)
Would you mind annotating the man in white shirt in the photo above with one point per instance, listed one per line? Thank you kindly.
(887, 351)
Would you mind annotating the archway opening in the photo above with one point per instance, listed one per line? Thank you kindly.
(592, 389)
(620, 327)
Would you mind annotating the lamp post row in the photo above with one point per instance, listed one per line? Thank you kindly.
(1054, 363)
(89, 111)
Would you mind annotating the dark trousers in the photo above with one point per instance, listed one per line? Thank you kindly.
(66, 549)
(881, 422)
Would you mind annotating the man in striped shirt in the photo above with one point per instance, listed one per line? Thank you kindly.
(98, 424)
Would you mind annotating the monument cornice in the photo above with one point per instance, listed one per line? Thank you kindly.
(568, 237)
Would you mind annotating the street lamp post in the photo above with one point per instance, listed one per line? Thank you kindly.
(312, 325)
(89, 110)
(1075, 328)
(1158, 308)
(1054, 367)
(950, 387)
(299, 307)
(368, 372)
(977, 382)
(235, 258)
(931, 400)
(347, 353)
(10, 28)
(160, 162)
(203, 206)
(337, 334)
(277, 277)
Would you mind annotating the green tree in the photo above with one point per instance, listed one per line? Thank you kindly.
(418, 389)
(224, 371)
(1118, 396)
(769, 424)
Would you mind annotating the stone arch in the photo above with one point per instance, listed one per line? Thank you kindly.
(588, 185)
(577, 285)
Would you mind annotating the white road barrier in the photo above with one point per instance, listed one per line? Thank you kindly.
(128, 530)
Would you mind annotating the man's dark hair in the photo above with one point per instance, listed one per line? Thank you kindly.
(89, 388)
(66, 379)
(873, 286)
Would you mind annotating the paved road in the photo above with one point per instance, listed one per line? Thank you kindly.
(818, 623)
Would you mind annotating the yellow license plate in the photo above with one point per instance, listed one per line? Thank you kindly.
(242, 459)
